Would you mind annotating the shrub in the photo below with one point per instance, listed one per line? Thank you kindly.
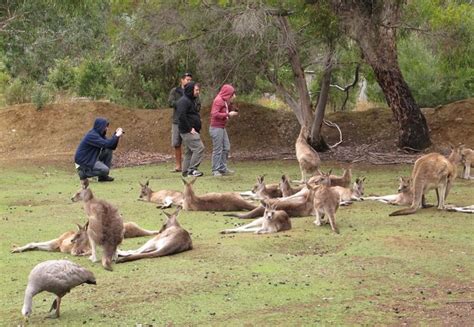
(18, 91)
(93, 78)
(40, 96)
(63, 75)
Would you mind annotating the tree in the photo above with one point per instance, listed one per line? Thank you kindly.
(373, 25)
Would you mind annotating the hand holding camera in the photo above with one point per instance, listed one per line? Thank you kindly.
(119, 131)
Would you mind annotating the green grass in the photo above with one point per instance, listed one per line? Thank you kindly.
(380, 270)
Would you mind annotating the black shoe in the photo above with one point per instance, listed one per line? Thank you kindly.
(106, 179)
(184, 174)
(82, 174)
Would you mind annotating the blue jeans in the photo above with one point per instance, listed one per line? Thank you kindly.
(220, 148)
(101, 167)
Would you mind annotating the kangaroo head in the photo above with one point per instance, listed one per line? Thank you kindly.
(270, 210)
(284, 183)
(359, 186)
(405, 184)
(80, 240)
(188, 186)
(171, 219)
(145, 191)
(324, 178)
(260, 185)
(456, 155)
(84, 193)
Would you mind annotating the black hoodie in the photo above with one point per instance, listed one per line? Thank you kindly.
(188, 115)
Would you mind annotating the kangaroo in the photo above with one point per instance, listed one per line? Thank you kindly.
(171, 239)
(75, 243)
(273, 221)
(286, 188)
(263, 191)
(164, 198)
(432, 171)
(354, 194)
(105, 225)
(344, 180)
(404, 197)
(325, 201)
(296, 205)
(307, 157)
(213, 201)
(467, 162)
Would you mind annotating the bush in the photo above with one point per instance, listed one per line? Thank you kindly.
(63, 75)
(18, 91)
(40, 96)
(94, 78)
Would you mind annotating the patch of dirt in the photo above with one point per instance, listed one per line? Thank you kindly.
(52, 134)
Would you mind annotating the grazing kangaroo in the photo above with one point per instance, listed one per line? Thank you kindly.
(213, 201)
(404, 196)
(307, 157)
(164, 198)
(171, 239)
(467, 161)
(105, 225)
(77, 243)
(344, 180)
(273, 221)
(286, 188)
(326, 201)
(263, 191)
(432, 171)
(354, 194)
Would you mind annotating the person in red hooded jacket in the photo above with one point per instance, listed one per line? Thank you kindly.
(221, 112)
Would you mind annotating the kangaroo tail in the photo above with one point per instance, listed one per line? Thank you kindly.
(402, 212)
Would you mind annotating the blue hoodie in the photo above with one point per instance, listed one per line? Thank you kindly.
(88, 150)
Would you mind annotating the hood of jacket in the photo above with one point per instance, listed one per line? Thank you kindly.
(189, 90)
(100, 125)
(226, 92)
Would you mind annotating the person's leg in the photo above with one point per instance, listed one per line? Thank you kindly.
(187, 152)
(197, 148)
(176, 143)
(225, 152)
(217, 136)
(105, 156)
(102, 171)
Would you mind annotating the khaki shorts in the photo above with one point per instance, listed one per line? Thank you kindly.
(175, 137)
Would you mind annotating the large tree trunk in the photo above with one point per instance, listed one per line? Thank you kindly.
(372, 24)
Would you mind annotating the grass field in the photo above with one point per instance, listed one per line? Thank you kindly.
(380, 270)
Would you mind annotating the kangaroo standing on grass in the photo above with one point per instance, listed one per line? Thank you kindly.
(326, 201)
(171, 239)
(164, 198)
(467, 162)
(354, 194)
(404, 197)
(273, 221)
(105, 225)
(213, 201)
(286, 188)
(307, 157)
(432, 171)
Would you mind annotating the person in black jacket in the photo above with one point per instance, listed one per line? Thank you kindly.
(189, 124)
(94, 154)
(175, 94)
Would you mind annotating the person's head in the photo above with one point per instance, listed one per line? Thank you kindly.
(100, 125)
(185, 79)
(197, 89)
(227, 92)
(189, 90)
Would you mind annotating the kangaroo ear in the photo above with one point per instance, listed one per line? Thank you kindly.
(363, 179)
(264, 204)
(86, 226)
(184, 181)
(178, 209)
(142, 185)
(329, 172)
(79, 227)
(167, 214)
(85, 183)
(147, 182)
(193, 180)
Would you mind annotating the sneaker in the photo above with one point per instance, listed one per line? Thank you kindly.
(216, 173)
(106, 179)
(227, 172)
(195, 173)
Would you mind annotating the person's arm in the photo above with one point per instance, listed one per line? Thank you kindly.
(172, 98)
(183, 122)
(217, 107)
(100, 142)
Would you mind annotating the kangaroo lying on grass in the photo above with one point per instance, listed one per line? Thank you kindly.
(344, 180)
(307, 157)
(273, 221)
(263, 191)
(286, 188)
(164, 198)
(467, 209)
(354, 194)
(171, 239)
(467, 161)
(325, 201)
(432, 171)
(105, 225)
(77, 243)
(404, 196)
(213, 201)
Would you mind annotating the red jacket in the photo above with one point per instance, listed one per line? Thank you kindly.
(221, 106)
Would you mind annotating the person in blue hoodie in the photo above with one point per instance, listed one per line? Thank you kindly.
(94, 154)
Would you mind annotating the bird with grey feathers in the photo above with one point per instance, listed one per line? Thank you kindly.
(57, 277)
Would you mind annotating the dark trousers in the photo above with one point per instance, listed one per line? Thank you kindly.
(101, 167)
